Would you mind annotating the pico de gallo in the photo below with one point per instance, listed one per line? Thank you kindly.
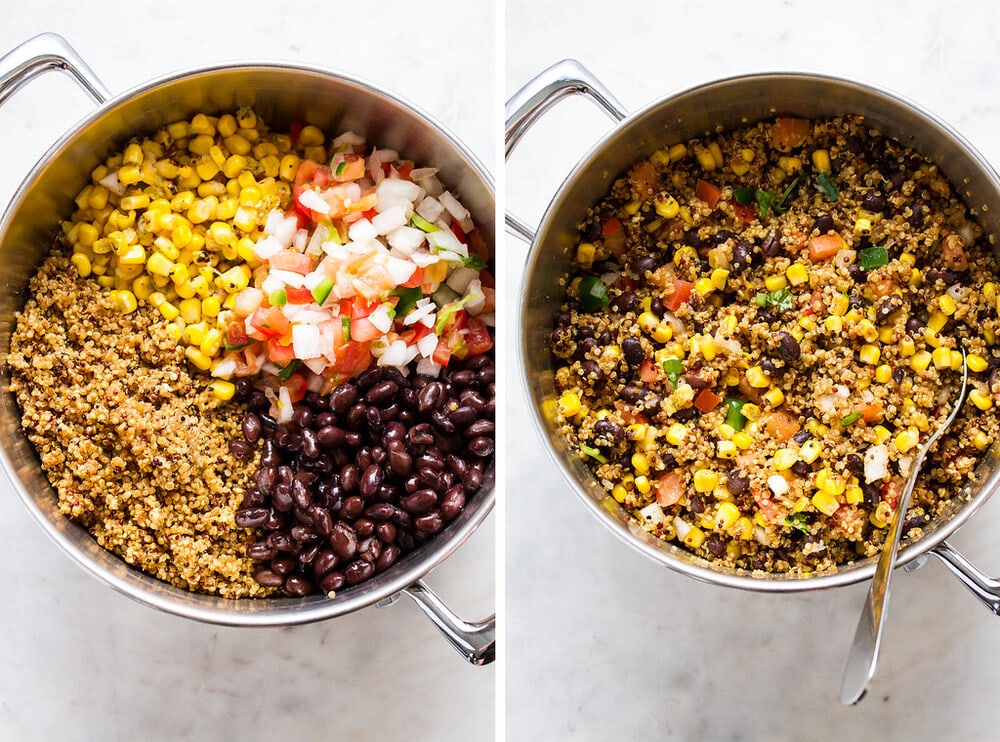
(375, 263)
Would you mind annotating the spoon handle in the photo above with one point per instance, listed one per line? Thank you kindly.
(863, 656)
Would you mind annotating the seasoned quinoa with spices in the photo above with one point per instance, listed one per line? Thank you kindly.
(133, 442)
(761, 329)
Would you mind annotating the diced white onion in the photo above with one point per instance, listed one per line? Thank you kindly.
(393, 191)
(347, 140)
(267, 247)
(305, 341)
(111, 182)
(271, 284)
(406, 239)
(444, 239)
(777, 484)
(430, 209)
(288, 278)
(400, 270)
(876, 463)
(427, 345)
(680, 525)
(423, 259)
(389, 220)
(427, 367)
(312, 200)
(285, 407)
(224, 368)
(394, 355)
(319, 235)
(380, 318)
(274, 218)
(362, 231)
(419, 313)
(460, 279)
(458, 211)
(285, 231)
(422, 173)
(476, 300)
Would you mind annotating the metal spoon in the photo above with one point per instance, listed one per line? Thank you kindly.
(863, 657)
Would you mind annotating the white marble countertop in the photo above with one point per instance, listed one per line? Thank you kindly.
(80, 662)
(601, 642)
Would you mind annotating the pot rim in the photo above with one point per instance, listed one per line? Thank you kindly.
(107, 567)
(668, 554)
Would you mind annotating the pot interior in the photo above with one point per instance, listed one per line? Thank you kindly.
(730, 103)
(280, 95)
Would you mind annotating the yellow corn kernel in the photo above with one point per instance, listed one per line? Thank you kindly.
(869, 354)
(648, 321)
(750, 411)
(784, 458)
(168, 310)
(981, 441)
(235, 279)
(790, 165)
(585, 254)
(774, 397)
(976, 362)
(821, 160)
(619, 493)
(694, 538)
(129, 175)
(726, 449)
(883, 374)
(833, 324)
(825, 502)
(886, 335)
(907, 439)
(142, 287)
(956, 360)
(797, 274)
(830, 482)
(807, 323)
(981, 400)
(707, 346)
(159, 264)
(704, 157)
(133, 255)
(667, 206)
(642, 484)
(107, 282)
(854, 495)
(82, 264)
(775, 283)
(726, 516)
(640, 463)
(719, 278)
(190, 309)
(941, 358)
(677, 152)
(862, 226)
(133, 203)
(684, 252)
(660, 158)
(245, 219)
(841, 303)
(289, 166)
(211, 306)
(882, 434)
(663, 332)
(175, 331)
(123, 300)
(757, 378)
(704, 286)
(810, 451)
(212, 342)
(937, 320)
(867, 330)
(920, 360)
(569, 404)
(947, 305)
(705, 480)
(197, 358)
(633, 206)
(676, 434)
(194, 333)
(742, 440)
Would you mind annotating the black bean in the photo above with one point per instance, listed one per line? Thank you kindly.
(298, 586)
(310, 444)
(801, 468)
(697, 503)
(388, 557)
(742, 255)
(696, 382)
(609, 431)
(771, 244)
(419, 502)
(251, 428)
(369, 549)
(332, 582)
(789, 347)
(464, 377)
(382, 392)
(353, 507)
(282, 497)
(325, 563)
(268, 578)
(261, 551)
(430, 397)
(358, 571)
(432, 522)
(240, 449)
(633, 352)
(371, 480)
(801, 436)
(462, 416)
(350, 477)
(874, 202)
(251, 517)
(854, 463)
(269, 455)
(364, 528)
(898, 374)
(281, 541)
(642, 264)
(303, 533)
(736, 482)
(481, 447)
(823, 224)
(343, 540)
(386, 532)
(322, 521)
(472, 480)
(303, 416)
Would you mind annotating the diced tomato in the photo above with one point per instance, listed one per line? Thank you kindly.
(825, 246)
(682, 293)
(708, 193)
(404, 170)
(279, 353)
(707, 400)
(788, 133)
(300, 295)
(352, 358)
(478, 246)
(871, 412)
(669, 489)
(352, 167)
(270, 322)
(815, 305)
(442, 353)
(781, 425)
(744, 212)
(611, 226)
(363, 331)
(296, 386)
(456, 229)
(415, 280)
(892, 491)
(486, 279)
(478, 337)
(773, 512)
(236, 336)
(643, 179)
(647, 371)
(289, 260)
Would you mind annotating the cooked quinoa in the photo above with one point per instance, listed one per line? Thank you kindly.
(133, 442)
(762, 328)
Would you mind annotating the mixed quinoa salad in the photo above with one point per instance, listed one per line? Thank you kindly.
(272, 357)
(762, 327)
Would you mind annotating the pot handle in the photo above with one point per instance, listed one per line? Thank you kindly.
(474, 640)
(40, 54)
(984, 587)
(528, 104)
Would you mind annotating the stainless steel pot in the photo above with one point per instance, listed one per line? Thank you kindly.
(280, 93)
(732, 102)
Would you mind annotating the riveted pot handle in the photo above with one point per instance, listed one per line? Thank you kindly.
(527, 105)
(984, 587)
(474, 640)
(40, 54)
